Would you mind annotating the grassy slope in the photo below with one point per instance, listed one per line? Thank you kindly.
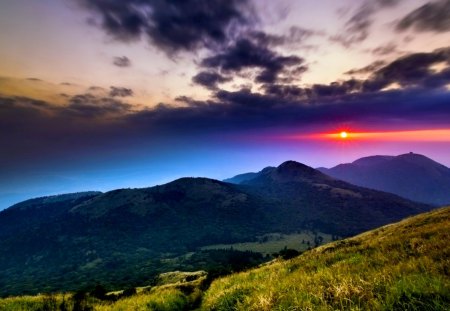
(173, 293)
(404, 266)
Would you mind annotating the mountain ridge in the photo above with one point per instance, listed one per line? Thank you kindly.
(108, 233)
(412, 176)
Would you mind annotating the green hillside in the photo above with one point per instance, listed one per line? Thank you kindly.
(404, 266)
(127, 237)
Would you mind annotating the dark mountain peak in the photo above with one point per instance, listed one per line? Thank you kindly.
(194, 181)
(410, 175)
(289, 171)
(372, 160)
(291, 166)
(411, 158)
(295, 171)
(414, 157)
(418, 159)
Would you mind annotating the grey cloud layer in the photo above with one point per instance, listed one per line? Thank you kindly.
(433, 16)
(423, 96)
(173, 26)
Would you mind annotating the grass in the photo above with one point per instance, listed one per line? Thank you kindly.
(163, 299)
(404, 266)
(35, 303)
(272, 243)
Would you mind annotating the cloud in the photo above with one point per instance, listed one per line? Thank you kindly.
(90, 124)
(336, 89)
(296, 35)
(172, 26)
(95, 88)
(245, 111)
(120, 92)
(357, 27)
(210, 80)
(412, 70)
(386, 49)
(122, 61)
(287, 91)
(34, 79)
(433, 16)
(90, 106)
(367, 69)
(247, 53)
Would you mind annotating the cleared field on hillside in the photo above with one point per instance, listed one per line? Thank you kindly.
(272, 243)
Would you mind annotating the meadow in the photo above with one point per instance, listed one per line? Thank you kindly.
(274, 242)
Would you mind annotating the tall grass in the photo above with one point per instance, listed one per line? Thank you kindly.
(164, 300)
(405, 266)
(36, 303)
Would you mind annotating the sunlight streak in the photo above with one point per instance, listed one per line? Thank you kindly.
(436, 135)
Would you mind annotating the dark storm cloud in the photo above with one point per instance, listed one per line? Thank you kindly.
(412, 70)
(295, 35)
(248, 54)
(120, 91)
(422, 99)
(122, 61)
(210, 80)
(357, 27)
(244, 110)
(433, 16)
(287, 91)
(90, 106)
(336, 89)
(180, 25)
(91, 124)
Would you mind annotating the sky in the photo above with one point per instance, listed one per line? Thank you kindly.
(106, 94)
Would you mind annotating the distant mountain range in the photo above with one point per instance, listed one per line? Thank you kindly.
(125, 236)
(410, 175)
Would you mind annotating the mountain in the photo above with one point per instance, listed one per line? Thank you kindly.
(402, 266)
(310, 199)
(128, 236)
(246, 176)
(410, 175)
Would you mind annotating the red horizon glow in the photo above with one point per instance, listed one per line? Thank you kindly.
(435, 135)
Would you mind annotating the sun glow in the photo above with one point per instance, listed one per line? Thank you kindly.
(439, 135)
(435, 135)
(343, 135)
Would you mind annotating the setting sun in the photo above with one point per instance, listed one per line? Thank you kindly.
(343, 135)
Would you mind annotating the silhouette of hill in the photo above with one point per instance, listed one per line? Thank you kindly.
(410, 175)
